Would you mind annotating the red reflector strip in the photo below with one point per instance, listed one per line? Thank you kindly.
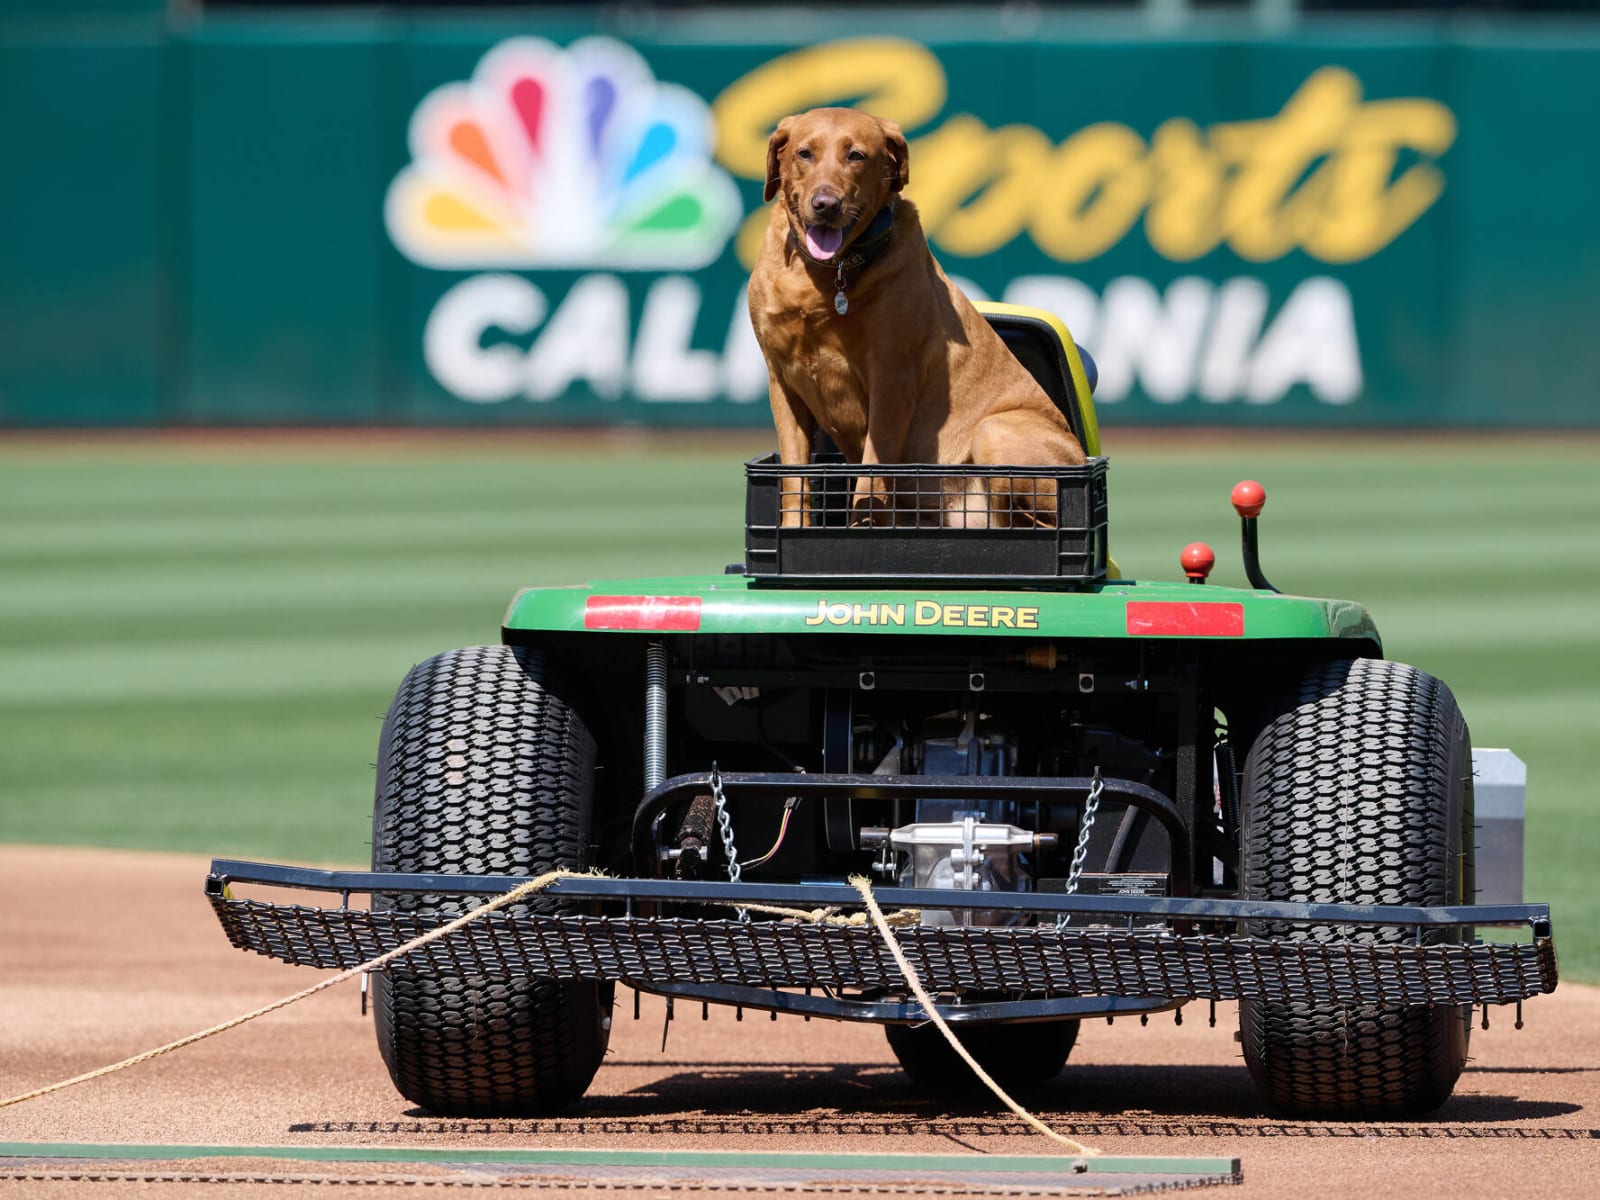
(642, 612)
(1153, 618)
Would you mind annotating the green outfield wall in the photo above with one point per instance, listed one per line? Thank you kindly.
(523, 218)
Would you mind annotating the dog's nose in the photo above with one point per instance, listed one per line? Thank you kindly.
(824, 205)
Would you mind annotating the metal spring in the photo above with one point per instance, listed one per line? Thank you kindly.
(655, 715)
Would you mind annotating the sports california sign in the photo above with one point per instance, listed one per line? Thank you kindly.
(600, 213)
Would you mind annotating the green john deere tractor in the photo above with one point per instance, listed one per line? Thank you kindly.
(1099, 797)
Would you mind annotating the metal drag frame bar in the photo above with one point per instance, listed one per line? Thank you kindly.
(821, 895)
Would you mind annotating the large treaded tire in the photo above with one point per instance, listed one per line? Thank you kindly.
(1358, 791)
(1016, 1055)
(485, 768)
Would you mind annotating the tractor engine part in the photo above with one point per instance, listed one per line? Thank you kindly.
(968, 854)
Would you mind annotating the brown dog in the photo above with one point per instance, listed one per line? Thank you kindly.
(865, 337)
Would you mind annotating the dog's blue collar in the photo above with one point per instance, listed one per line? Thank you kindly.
(872, 241)
(881, 224)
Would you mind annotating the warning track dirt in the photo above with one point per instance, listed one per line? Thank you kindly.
(107, 954)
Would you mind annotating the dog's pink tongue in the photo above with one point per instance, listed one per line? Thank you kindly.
(823, 243)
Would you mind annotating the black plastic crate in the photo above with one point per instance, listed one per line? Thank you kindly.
(925, 523)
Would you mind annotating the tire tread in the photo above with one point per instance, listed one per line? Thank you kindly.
(485, 769)
(1358, 792)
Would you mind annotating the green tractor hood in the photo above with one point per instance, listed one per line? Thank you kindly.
(731, 604)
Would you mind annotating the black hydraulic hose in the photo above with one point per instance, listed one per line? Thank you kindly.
(1132, 827)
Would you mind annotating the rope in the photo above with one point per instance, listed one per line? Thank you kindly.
(861, 885)
(826, 916)
(521, 892)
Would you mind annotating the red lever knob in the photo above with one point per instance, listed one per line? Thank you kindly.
(1249, 498)
(1198, 559)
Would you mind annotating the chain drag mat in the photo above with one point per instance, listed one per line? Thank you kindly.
(1037, 960)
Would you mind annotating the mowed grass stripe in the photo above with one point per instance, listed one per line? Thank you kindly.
(224, 540)
(285, 776)
(575, 482)
(216, 668)
(1564, 617)
(421, 572)
(426, 619)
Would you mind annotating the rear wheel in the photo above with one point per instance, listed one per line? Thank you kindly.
(1016, 1055)
(485, 767)
(1359, 791)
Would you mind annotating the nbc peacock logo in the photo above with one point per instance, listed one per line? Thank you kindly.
(562, 158)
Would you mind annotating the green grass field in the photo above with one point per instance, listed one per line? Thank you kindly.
(198, 640)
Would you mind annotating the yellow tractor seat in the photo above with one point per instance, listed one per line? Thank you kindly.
(1041, 343)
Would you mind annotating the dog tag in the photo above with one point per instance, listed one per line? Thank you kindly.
(840, 304)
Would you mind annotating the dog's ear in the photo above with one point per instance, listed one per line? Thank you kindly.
(775, 145)
(895, 142)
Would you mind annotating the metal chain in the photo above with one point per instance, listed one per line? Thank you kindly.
(1080, 852)
(725, 828)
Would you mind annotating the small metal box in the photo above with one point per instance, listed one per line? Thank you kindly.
(1500, 787)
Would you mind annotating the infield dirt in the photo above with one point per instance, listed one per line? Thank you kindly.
(109, 954)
